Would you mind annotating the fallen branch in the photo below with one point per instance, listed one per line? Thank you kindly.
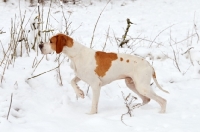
(42, 73)
(47, 71)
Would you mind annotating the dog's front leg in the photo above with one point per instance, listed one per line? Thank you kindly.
(77, 90)
(95, 99)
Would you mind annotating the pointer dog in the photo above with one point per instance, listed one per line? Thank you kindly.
(99, 68)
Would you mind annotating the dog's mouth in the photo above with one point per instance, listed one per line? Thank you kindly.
(43, 50)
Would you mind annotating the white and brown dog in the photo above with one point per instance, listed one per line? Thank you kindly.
(99, 68)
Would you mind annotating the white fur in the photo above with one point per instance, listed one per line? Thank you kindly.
(137, 74)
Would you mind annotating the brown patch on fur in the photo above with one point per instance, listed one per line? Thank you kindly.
(154, 75)
(103, 61)
(59, 41)
(127, 61)
(121, 59)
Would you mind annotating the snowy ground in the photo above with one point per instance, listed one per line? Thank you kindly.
(41, 104)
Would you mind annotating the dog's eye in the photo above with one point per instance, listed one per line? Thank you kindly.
(50, 41)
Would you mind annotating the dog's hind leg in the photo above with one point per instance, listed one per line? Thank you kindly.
(130, 84)
(146, 90)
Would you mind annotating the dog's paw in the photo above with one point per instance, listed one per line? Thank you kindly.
(91, 113)
(80, 93)
(162, 111)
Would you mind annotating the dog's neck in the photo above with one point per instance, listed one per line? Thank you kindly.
(74, 51)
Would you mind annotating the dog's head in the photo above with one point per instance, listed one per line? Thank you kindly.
(56, 43)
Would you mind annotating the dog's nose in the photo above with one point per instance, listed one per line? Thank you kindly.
(41, 46)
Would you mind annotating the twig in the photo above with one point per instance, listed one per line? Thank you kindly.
(4, 70)
(10, 106)
(195, 28)
(97, 23)
(143, 39)
(47, 71)
(46, 31)
(30, 17)
(116, 39)
(175, 59)
(48, 19)
(186, 70)
(185, 39)
(75, 29)
(43, 73)
(174, 53)
(124, 41)
(34, 62)
(36, 65)
(2, 48)
(1, 32)
(106, 38)
(159, 34)
(187, 50)
(66, 22)
(128, 102)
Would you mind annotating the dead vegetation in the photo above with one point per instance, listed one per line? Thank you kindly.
(128, 101)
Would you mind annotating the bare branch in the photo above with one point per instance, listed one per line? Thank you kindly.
(1, 32)
(124, 41)
(187, 50)
(107, 35)
(174, 53)
(159, 34)
(128, 102)
(195, 28)
(97, 23)
(2, 48)
(36, 65)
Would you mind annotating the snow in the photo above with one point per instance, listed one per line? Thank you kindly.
(42, 104)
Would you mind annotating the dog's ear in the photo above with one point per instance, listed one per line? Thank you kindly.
(63, 40)
(60, 43)
(69, 41)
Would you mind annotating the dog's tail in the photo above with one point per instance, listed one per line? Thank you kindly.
(155, 80)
